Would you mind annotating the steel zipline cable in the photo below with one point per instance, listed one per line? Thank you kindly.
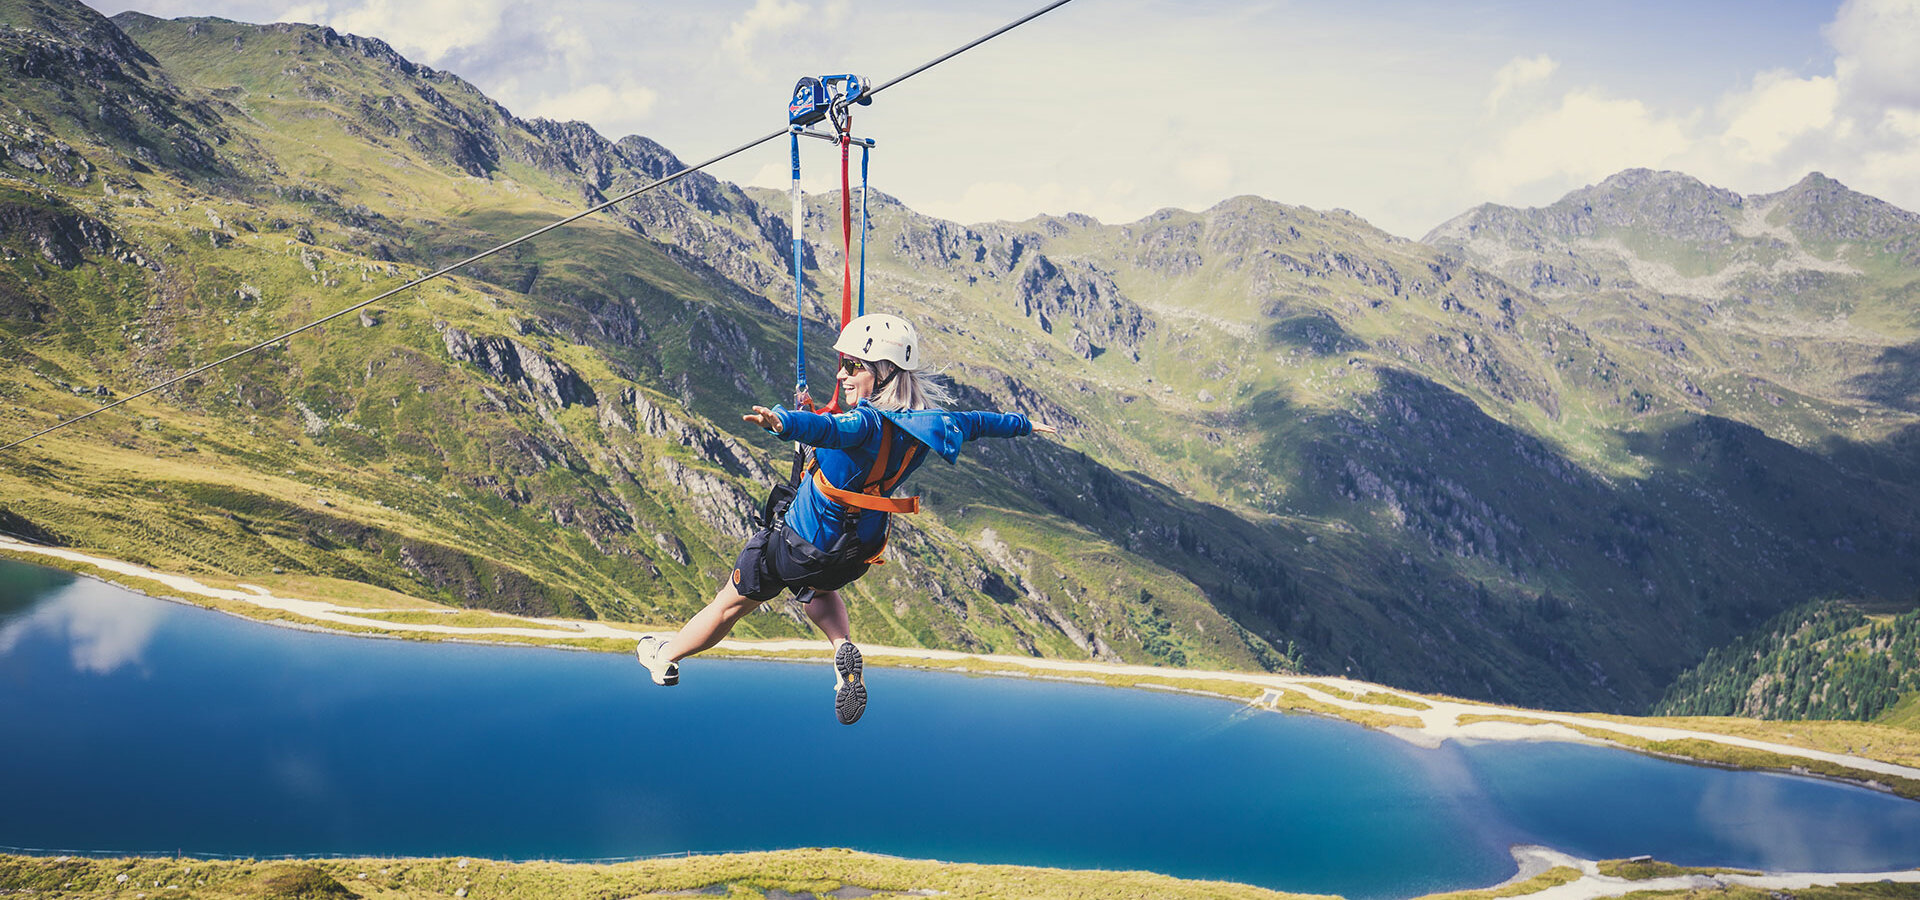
(664, 180)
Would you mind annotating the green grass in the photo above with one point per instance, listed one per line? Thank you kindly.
(1642, 870)
(1904, 715)
(1553, 877)
(743, 875)
(1869, 891)
(1876, 740)
(457, 619)
(1833, 737)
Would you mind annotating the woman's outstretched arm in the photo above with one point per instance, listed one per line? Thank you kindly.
(979, 423)
(837, 432)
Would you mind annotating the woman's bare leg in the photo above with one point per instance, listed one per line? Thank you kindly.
(710, 625)
(829, 613)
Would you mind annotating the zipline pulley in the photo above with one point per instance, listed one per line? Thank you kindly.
(827, 96)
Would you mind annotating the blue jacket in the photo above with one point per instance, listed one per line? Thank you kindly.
(849, 442)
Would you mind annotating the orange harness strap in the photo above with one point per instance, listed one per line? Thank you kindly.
(865, 501)
(876, 484)
(905, 464)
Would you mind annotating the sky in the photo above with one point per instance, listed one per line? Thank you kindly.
(1405, 113)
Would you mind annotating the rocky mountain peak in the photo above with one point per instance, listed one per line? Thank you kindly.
(75, 24)
(1671, 205)
(1819, 208)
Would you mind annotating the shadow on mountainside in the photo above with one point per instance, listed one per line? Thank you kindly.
(1895, 380)
(1520, 573)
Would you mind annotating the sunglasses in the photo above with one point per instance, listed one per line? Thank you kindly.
(852, 366)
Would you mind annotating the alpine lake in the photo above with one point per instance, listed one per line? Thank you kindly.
(139, 726)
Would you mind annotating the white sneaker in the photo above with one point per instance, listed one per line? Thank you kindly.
(664, 671)
(849, 687)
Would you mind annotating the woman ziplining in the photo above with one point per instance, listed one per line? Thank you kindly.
(835, 526)
(820, 534)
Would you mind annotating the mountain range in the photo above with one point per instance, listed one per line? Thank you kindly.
(1546, 456)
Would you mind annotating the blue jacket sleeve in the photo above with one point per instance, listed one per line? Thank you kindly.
(837, 432)
(975, 424)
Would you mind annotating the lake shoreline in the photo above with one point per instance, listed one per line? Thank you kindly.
(1544, 874)
(1421, 719)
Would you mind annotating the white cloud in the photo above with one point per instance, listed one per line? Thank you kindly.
(1519, 73)
(1777, 110)
(767, 17)
(817, 174)
(1208, 173)
(1585, 139)
(1904, 122)
(597, 103)
(423, 30)
(303, 12)
(1893, 171)
(984, 201)
(1859, 123)
(1879, 44)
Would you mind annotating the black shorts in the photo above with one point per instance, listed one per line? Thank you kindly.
(776, 559)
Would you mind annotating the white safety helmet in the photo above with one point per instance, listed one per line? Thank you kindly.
(881, 336)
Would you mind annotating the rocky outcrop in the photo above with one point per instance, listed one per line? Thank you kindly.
(931, 242)
(716, 502)
(545, 379)
(61, 236)
(1085, 303)
(34, 150)
(706, 442)
(108, 84)
(576, 149)
(1169, 242)
(77, 26)
(482, 583)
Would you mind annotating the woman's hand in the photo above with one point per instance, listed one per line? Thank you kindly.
(1043, 428)
(765, 418)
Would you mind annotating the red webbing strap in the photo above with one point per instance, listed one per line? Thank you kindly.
(846, 248)
(846, 230)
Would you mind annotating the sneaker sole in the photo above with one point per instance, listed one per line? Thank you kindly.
(670, 677)
(850, 696)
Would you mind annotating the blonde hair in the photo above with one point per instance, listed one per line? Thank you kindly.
(908, 390)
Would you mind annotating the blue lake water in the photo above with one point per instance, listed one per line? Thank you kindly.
(130, 724)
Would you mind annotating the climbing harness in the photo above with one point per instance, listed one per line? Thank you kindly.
(890, 465)
(830, 98)
(866, 96)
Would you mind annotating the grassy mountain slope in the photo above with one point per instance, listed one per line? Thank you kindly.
(1291, 440)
